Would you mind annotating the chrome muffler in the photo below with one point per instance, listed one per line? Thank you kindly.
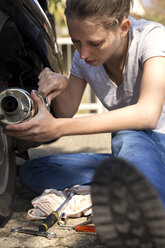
(17, 106)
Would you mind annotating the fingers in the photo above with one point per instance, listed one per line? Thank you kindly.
(52, 95)
(19, 127)
(51, 84)
(26, 130)
(44, 77)
(21, 131)
(45, 71)
(47, 87)
(36, 99)
(24, 135)
(48, 81)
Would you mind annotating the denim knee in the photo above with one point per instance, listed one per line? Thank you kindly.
(144, 150)
(60, 171)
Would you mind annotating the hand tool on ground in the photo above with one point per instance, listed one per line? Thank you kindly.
(54, 216)
(63, 216)
(48, 235)
(80, 228)
(88, 221)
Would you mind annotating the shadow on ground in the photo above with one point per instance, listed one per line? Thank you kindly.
(65, 238)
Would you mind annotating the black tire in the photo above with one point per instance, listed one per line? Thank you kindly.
(127, 210)
(7, 178)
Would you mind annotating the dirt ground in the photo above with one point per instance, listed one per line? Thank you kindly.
(65, 238)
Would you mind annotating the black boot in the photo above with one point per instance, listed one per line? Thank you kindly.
(127, 210)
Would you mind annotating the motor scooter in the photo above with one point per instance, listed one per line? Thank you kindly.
(27, 46)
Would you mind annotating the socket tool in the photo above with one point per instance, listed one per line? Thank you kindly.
(54, 216)
(48, 235)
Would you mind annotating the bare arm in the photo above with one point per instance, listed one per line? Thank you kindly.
(144, 114)
(66, 104)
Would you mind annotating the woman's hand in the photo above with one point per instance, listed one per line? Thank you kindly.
(40, 128)
(51, 84)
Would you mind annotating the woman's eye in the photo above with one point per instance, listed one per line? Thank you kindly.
(95, 44)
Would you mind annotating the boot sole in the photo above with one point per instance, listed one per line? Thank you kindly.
(127, 210)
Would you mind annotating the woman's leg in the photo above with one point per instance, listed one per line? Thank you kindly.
(146, 151)
(60, 171)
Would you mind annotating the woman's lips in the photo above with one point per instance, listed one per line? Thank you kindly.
(90, 61)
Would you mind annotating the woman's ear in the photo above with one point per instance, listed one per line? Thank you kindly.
(125, 27)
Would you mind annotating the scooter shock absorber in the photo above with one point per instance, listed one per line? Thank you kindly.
(16, 105)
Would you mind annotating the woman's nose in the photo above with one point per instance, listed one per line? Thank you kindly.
(84, 52)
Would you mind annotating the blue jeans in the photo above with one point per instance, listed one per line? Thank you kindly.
(144, 149)
(60, 171)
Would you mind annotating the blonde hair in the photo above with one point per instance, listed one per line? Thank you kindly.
(110, 13)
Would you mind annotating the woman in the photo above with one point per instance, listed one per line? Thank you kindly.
(123, 60)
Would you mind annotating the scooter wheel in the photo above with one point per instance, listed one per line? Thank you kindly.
(7, 178)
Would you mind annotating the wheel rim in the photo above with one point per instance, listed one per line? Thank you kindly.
(4, 162)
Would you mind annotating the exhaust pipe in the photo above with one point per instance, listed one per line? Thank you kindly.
(17, 106)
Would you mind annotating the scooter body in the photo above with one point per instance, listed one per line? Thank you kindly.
(27, 46)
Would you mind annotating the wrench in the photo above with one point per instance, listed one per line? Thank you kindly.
(48, 235)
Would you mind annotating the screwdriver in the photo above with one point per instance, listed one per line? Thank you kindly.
(80, 228)
(54, 216)
(85, 228)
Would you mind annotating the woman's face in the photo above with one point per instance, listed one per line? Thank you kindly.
(95, 44)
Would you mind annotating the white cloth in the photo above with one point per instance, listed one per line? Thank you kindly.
(146, 40)
(79, 205)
